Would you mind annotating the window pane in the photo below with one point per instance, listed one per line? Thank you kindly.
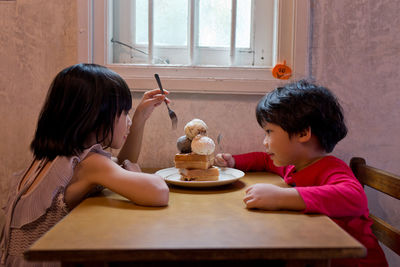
(243, 24)
(141, 22)
(215, 23)
(211, 32)
(170, 22)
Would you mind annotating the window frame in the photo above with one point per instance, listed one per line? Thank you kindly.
(292, 47)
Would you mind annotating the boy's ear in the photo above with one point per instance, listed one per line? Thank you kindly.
(304, 135)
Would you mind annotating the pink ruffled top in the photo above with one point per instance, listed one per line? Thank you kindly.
(30, 215)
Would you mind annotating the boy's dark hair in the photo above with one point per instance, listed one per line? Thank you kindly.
(82, 99)
(302, 104)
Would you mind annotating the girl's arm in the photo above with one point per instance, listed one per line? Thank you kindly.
(141, 188)
(131, 149)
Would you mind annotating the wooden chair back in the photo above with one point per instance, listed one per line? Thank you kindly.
(387, 183)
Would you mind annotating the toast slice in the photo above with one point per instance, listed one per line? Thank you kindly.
(193, 161)
(210, 174)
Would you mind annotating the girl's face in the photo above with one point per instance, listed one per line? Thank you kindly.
(122, 126)
(282, 149)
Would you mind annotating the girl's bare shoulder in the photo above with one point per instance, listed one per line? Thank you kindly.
(96, 164)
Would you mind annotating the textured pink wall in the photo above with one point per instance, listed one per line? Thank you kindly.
(355, 51)
(37, 39)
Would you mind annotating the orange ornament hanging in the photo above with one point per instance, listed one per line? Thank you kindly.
(282, 71)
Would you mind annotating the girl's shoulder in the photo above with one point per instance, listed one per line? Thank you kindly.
(95, 168)
(96, 149)
(94, 158)
(95, 162)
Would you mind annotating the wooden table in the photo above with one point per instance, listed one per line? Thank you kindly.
(207, 226)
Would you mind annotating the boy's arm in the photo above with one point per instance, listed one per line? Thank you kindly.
(257, 161)
(272, 197)
(340, 195)
(254, 161)
(334, 191)
(341, 198)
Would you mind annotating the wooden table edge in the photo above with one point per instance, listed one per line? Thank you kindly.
(197, 254)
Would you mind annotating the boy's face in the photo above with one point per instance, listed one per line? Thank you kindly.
(282, 149)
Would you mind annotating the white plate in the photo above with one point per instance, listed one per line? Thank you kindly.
(226, 176)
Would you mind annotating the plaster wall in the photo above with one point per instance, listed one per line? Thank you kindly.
(354, 48)
(37, 39)
(355, 51)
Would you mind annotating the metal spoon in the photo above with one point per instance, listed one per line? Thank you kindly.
(219, 142)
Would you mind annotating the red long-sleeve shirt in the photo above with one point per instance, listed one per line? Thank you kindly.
(329, 187)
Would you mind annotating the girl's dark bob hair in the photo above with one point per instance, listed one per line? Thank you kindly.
(83, 102)
(302, 104)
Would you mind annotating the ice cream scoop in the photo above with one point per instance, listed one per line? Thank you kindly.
(184, 144)
(195, 127)
(203, 145)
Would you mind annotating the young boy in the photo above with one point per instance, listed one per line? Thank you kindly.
(303, 122)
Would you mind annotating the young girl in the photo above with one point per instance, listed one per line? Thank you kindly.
(303, 122)
(86, 110)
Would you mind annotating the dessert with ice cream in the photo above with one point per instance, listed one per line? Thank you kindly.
(195, 127)
(196, 158)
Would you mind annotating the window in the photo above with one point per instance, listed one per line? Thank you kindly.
(192, 33)
(213, 46)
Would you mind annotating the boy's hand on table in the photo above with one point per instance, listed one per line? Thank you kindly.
(224, 160)
(273, 197)
(263, 196)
